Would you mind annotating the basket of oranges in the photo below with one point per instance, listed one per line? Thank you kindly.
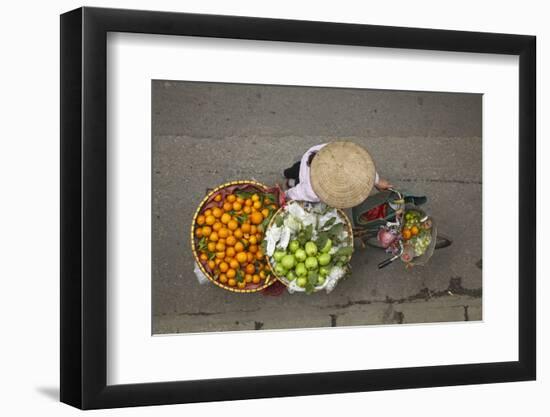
(227, 232)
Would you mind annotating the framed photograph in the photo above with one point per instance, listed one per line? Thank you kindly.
(257, 208)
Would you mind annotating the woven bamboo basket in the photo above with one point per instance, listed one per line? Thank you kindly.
(209, 196)
(342, 215)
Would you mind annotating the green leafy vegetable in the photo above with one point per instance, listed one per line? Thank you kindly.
(346, 251)
(308, 232)
(239, 276)
(329, 223)
(243, 194)
(242, 218)
(322, 239)
(270, 197)
(336, 230)
(203, 244)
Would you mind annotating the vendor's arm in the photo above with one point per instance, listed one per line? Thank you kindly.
(381, 184)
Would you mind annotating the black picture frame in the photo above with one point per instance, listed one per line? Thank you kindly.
(84, 207)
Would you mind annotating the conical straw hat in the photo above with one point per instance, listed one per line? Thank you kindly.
(342, 174)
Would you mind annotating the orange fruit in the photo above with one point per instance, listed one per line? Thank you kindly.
(239, 247)
(256, 218)
(256, 279)
(217, 212)
(210, 220)
(253, 248)
(259, 255)
(232, 225)
(217, 261)
(223, 232)
(206, 231)
(257, 204)
(200, 220)
(262, 274)
(218, 198)
(255, 197)
(203, 257)
(248, 278)
(406, 234)
(414, 230)
(211, 265)
(208, 212)
(240, 200)
(214, 236)
(241, 285)
(233, 263)
(225, 218)
(230, 241)
(199, 233)
(253, 239)
(238, 233)
(231, 273)
(211, 246)
(241, 257)
(250, 269)
(230, 251)
(231, 282)
(265, 212)
(253, 229)
(249, 257)
(220, 247)
(248, 202)
(245, 228)
(247, 210)
(227, 206)
(220, 255)
(237, 206)
(223, 278)
(217, 226)
(231, 198)
(224, 267)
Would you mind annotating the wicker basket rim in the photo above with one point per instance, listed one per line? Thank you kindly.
(339, 211)
(268, 282)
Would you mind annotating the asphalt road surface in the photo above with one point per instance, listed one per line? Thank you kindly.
(205, 134)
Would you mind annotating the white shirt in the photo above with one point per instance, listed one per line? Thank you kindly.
(303, 191)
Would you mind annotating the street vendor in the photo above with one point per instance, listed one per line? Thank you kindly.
(340, 174)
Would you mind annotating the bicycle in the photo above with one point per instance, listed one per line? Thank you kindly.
(384, 212)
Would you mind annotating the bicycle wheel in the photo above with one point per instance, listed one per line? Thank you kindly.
(373, 242)
(443, 241)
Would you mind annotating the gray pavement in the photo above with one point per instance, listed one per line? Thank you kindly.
(205, 134)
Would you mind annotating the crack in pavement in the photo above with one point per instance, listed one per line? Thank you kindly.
(438, 180)
(455, 288)
(211, 313)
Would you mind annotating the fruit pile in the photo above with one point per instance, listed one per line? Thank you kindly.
(228, 234)
(416, 234)
(305, 263)
(308, 248)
